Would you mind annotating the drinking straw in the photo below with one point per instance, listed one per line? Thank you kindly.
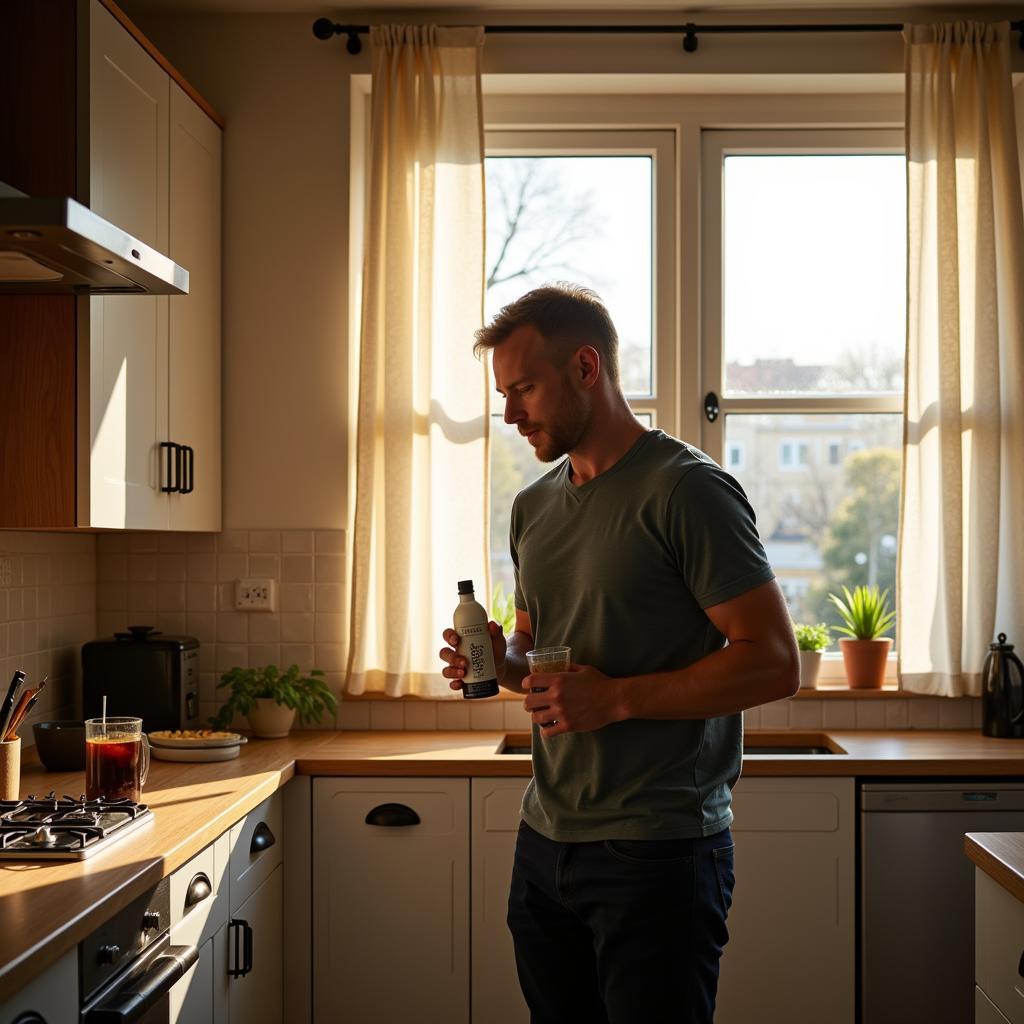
(104, 715)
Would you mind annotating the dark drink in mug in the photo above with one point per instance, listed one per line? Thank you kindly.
(116, 759)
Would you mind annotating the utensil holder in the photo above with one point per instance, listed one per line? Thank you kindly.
(10, 769)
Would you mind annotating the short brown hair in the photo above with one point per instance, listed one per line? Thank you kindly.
(566, 316)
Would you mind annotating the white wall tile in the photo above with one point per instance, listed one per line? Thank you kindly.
(387, 714)
(170, 567)
(329, 657)
(297, 654)
(265, 567)
(775, 715)
(330, 597)
(897, 714)
(201, 543)
(232, 567)
(870, 713)
(201, 567)
(486, 714)
(420, 714)
(296, 627)
(297, 568)
(330, 569)
(329, 628)
(805, 714)
(265, 542)
(201, 597)
(353, 714)
(517, 719)
(924, 713)
(297, 542)
(233, 542)
(264, 628)
(954, 713)
(296, 597)
(752, 718)
(453, 714)
(232, 628)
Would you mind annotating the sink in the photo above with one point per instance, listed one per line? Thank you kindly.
(785, 744)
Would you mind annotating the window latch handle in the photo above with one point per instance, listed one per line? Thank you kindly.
(711, 408)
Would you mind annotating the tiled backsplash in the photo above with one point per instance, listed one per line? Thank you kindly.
(68, 588)
(47, 611)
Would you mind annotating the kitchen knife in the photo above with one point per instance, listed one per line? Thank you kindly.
(8, 705)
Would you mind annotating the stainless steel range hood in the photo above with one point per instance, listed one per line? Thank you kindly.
(54, 246)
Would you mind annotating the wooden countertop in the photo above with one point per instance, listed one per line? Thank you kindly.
(49, 906)
(1001, 856)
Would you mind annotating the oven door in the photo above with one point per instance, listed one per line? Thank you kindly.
(141, 994)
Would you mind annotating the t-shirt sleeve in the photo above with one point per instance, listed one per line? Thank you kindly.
(513, 533)
(714, 536)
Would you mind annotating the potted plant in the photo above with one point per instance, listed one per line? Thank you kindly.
(812, 641)
(270, 699)
(866, 616)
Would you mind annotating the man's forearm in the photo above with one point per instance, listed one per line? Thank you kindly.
(515, 667)
(740, 676)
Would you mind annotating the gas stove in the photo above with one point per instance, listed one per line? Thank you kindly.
(65, 828)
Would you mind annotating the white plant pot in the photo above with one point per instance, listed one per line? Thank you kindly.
(270, 720)
(810, 662)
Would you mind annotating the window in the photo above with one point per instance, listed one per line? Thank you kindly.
(734, 460)
(803, 339)
(587, 207)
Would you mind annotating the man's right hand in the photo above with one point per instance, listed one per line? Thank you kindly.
(456, 665)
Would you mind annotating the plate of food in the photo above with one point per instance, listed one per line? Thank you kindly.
(171, 744)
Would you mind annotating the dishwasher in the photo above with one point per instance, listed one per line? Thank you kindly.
(917, 895)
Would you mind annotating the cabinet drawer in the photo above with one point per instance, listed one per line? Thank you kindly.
(999, 946)
(52, 995)
(256, 849)
(195, 916)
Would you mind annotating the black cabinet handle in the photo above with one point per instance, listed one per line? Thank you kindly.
(1020, 966)
(173, 467)
(29, 1017)
(189, 479)
(240, 965)
(199, 889)
(392, 816)
(262, 838)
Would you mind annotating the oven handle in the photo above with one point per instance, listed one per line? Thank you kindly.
(130, 1003)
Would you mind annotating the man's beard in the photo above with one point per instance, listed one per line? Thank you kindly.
(564, 432)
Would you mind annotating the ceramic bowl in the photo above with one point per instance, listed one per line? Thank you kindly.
(61, 745)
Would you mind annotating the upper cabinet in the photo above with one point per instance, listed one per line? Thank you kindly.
(140, 446)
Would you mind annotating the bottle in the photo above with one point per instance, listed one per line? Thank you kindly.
(470, 622)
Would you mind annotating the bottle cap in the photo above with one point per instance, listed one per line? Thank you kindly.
(465, 586)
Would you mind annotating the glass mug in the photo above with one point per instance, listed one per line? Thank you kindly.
(116, 759)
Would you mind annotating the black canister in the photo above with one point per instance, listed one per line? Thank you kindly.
(1002, 693)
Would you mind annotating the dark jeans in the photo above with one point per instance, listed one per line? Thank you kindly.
(621, 931)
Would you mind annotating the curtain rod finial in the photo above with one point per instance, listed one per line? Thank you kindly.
(690, 38)
(324, 28)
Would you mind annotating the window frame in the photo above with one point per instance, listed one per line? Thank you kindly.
(662, 403)
(716, 145)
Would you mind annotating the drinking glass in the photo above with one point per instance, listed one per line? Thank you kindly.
(116, 759)
(549, 659)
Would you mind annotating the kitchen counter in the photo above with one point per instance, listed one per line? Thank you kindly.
(49, 906)
(1001, 856)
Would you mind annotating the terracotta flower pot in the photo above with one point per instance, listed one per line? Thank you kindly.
(810, 662)
(865, 661)
(270, 720)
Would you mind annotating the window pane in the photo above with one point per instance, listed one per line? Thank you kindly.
(585, 219)
(829, 516)
(814, 274)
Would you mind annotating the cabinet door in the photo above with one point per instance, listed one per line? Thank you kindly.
(999, 945)
(494, 813)
(985, 1011)
(129, 101)
(391, 900)
(256, 997)
(790, 955)
(194, 319)
(52, 995)
(191, 999)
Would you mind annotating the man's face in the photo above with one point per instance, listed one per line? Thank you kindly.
(541, 399)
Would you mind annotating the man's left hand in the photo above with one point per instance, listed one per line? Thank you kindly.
(580, 700)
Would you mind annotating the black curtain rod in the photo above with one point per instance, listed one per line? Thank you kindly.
(324, 28)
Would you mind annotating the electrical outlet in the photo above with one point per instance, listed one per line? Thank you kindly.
(6, 571)
(255, 595)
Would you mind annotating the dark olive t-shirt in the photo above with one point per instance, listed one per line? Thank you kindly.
(621, 568)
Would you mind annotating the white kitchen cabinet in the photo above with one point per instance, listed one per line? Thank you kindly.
(494, 813)
(255, 947)
(391, 900)
(50, 998)
(790, 955)
(126, 342)
(999, 946)
(154, 361)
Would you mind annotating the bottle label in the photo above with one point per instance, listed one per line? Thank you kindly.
(476, 649)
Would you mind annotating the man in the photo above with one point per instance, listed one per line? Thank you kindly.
(642, 554)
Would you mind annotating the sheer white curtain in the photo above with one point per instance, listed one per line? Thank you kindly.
(961, 571)
(421, 472)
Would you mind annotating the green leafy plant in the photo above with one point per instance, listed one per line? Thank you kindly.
(308, 696)
(503, 609)
(812, 638)
(865, 612)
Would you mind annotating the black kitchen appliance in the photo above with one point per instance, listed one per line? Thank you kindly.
(1002, 692)
(143, 673)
